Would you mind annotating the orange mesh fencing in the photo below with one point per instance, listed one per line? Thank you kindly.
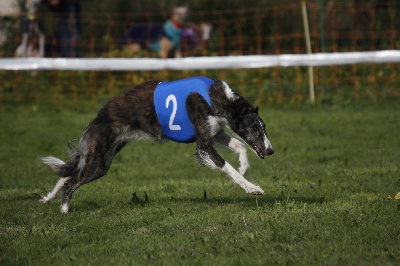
(276, 29)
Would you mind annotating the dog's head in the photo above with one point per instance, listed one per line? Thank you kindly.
(251, 129)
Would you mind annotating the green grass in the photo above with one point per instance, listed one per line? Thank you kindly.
(325, 200)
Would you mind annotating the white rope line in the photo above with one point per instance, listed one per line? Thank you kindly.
(212, 62)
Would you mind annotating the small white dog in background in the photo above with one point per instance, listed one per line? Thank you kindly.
(33, 38)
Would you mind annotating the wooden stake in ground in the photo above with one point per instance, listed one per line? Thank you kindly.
(308, 46)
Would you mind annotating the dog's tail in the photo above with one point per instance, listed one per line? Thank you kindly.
(58, 166)
(61, 168)
(69, 168)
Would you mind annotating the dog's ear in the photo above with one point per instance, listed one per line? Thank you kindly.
(246, 109)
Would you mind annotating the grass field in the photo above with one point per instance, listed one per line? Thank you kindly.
(325, 201)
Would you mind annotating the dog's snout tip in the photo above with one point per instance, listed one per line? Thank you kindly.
(270, 152)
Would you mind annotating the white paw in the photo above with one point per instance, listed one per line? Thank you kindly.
(254, 190)
(64, 208)
(44, 199)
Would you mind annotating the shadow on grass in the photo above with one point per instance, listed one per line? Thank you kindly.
(87, 205)
(245, 201)
(27, 197)
(250, 200)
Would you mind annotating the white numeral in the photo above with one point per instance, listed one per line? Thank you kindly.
(173, 114)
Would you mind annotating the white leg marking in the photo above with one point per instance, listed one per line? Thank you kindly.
(216, 124)
(237, 147)
(52, 194)
(64, 208)
(206, 160)
(241, 181)
(240, 149)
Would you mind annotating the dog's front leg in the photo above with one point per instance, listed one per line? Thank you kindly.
(241, 181)
(209, 157)
(201, 116)
(237, 147)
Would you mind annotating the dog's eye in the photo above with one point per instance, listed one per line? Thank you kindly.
(255, 127)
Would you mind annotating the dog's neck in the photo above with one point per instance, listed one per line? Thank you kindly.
(231, 107)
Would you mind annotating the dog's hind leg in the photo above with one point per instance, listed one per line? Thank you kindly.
(94, 164)
(73, 184)
(236, 146)
(61, 169)
(69, 188)
(53, 193)
(90, 173)
(95, 169)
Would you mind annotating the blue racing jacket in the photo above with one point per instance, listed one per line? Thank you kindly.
(170, 104)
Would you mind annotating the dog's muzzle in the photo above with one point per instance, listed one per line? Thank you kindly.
(263, 149)
(268, 146)
(260, 151)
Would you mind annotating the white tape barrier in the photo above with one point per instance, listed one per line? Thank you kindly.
(213, 62)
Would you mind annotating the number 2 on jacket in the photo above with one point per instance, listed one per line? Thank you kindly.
(172, 98)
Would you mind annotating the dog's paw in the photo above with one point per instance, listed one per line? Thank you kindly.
(255, 190)
(64, 208)
(43, 199)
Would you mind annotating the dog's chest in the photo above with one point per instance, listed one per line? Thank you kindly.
(170, 105)
(216, 124)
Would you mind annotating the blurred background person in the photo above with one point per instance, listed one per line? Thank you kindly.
(67, 14)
